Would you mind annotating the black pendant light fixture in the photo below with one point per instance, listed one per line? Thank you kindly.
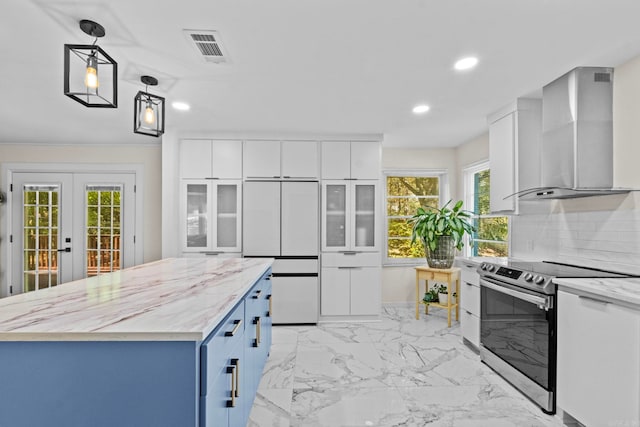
(90, 74)
(148, 110)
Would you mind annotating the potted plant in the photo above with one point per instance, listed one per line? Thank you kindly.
(441, 232)
(431, 296)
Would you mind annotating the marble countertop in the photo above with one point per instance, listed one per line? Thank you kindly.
(477, 260)
(623, 291)
(174, 299)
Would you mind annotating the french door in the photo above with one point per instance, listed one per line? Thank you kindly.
(67, 226)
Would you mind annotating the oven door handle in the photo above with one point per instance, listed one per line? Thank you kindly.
(544, 303)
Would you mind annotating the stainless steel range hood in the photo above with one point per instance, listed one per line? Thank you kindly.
(577, 136)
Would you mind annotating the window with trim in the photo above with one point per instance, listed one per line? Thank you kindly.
(404, 193)
(491, 238)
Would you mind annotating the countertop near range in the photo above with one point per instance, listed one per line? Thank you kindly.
(174, 299)
(622, 291)
(477, 260)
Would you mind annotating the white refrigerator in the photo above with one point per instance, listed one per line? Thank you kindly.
(281, 220)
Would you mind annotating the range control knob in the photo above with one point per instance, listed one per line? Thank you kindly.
(539, 280)
(490, 268)
(528, 277)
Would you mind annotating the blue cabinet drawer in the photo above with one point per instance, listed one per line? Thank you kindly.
(216, 348)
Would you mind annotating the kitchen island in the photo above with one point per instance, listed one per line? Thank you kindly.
(177, 342)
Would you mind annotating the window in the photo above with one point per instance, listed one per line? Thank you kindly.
(491, 238)
(405, 192)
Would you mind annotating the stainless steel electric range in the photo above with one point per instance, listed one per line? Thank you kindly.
(518, 315)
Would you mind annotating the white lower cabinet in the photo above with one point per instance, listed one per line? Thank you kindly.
(598, 361)
(469, 303)
(350, 284)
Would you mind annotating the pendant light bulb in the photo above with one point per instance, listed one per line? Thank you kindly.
(149, 114)
(91, 75)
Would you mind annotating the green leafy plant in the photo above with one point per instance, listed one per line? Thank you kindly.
(430, 296)
(431, 223)
(440, 289)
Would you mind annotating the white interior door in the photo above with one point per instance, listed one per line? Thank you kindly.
(67, 226)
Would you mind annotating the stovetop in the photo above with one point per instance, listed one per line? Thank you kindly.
(538, 276)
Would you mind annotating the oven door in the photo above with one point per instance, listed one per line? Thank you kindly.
(517, 337)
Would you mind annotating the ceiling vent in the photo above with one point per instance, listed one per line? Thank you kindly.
(207, 44)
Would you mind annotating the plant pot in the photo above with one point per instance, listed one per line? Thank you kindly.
(443, 299)
(443, 255)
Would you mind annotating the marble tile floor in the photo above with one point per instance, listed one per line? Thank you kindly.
(396, 372)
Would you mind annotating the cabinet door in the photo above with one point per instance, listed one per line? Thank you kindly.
(365, 291)
(261, 159)
(300, 222)
(226, 159)
(300, 159)
(335, 292)
(365, 160)
(598, 361)
(228, 199)
(502, 163)
(334, 215)
(336, 160)
(261, 218)
(195, 158)
(196, 206)
(363, 236)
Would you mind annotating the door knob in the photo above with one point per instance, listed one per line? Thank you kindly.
(64, 250)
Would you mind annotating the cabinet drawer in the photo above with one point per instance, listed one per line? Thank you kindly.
(469, 275)
(470, 298)
(295, 266)
(215, 349)
(470, 327)
(351, 259)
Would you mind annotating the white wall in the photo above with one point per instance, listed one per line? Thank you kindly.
(149, 155)
(605, 229)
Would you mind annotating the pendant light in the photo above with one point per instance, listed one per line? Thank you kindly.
(90, 74)
(148, 110)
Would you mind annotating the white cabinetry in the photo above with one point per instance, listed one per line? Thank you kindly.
(598, 361)
(201, 158)
(210, 216)
(280, 159)
(515, 135)
(350, 284)
(351, 160)
(349, 215)
(470, 303)
(210, 196)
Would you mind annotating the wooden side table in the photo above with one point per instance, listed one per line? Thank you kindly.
(449, 275)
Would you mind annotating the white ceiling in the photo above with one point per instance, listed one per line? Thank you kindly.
(305, 66)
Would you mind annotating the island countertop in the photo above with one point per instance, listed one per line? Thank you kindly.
(174, 299)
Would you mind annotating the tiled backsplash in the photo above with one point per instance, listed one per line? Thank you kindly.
(602, 232)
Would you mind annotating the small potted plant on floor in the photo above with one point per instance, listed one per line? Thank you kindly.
(441, 232)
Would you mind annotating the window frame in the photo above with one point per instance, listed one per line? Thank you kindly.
(468, 174)
(443, 190)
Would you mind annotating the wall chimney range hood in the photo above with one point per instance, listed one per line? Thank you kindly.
(577, 136)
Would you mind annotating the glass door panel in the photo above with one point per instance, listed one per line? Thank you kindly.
(365, 202)
(40, 227)
(103, 228)
(227, 215)
(336, 215)
(196, 215)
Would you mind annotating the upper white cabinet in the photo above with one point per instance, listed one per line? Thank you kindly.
(351, 160)
(210, 216)
(280, 159)
(349, 216)
(598, 361)
(515, 135)
(219, 159)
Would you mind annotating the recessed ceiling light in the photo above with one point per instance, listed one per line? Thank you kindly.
(466, 63)
(420, 109)
(182, 106)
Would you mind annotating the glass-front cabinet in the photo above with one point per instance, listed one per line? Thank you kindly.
(349, 216)
(210, 216)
